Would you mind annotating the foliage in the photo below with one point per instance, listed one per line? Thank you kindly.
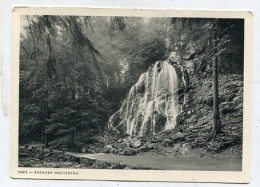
(75, 71)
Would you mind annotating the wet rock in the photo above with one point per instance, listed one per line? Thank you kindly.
(177, 147)
(150, 146)
(121, 152)
(108, 147)
(46, 150)
(180, 118)
(159, 139)
(154, 140)
(160, 123)
(135, 143)
(167, 142)
(184, 151)
(129, 152)
(192, 119)
(178, 135)
(144, 149)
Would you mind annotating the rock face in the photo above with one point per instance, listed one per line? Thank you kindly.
(198, 122)
(151, 105)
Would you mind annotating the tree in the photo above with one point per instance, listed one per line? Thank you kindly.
(210, 40)
(222, 39)
(75, 70)
(61, 81)
(216, 118)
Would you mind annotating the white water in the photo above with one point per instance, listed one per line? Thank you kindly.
(152, 96)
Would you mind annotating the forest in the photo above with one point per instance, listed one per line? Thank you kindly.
(77, 71)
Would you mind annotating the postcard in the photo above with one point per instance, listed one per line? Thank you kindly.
(131, 94)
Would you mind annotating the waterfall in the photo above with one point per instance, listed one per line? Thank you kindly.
(151, 105)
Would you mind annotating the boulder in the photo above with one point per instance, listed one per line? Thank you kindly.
(108, 146)
(129, 152)
(159, 139)
(178, 135)
(120, 145)
(46, 150)
(105, 150)
(121, 152)
(160, 123)
(184, 151)
(144, 149)
(177, 147)
(135, 143)
(167, 142)
(150, 146)
(180, 118)
(154, 140)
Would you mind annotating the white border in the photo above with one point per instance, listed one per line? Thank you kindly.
(133, 175)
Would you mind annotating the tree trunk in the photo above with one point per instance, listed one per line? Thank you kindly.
(43, 128)
(44, 122)
(47, 93)
(72, 140)
(216, 119)
(46, 140)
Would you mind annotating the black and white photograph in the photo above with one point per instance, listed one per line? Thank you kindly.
(131, 92)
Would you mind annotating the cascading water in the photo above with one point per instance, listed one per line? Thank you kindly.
(151, 105)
